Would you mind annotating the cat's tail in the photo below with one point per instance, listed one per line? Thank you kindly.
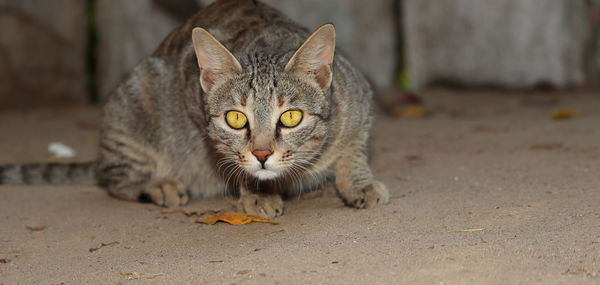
(48, 173)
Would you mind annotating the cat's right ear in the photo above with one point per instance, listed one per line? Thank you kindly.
(314, 58)
(214, 60)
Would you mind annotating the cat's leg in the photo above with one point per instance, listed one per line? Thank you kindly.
(129, 174)
(167, 192)
(355, 183)
(266, 206)
(128, 183)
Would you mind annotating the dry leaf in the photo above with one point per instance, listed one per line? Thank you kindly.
(35, 228)
(130, 275)
(410, 112)
(234, 219)
(101, 245)
(562, 114)
(546, 146)
(575, 271)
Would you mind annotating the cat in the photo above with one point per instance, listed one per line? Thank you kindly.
(239, 99)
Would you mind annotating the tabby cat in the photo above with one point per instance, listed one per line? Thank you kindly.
(239, 99)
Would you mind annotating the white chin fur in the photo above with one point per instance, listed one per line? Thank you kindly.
(264, 174)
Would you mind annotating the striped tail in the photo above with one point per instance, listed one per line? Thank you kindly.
(48, 173)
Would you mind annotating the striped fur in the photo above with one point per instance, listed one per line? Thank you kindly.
(164, 136)
(48, 173)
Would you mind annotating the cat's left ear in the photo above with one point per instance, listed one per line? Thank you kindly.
(215, 61)
(314, 58)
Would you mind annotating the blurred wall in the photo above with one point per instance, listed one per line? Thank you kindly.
(509, 43)
(366, 32)
(505, 43)
(591, 56)
(42, 52)
(127, 31)
(130, 30)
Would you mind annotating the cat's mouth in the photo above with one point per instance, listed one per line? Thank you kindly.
(265, 174)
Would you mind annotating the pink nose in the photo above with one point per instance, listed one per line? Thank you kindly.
(262, 154)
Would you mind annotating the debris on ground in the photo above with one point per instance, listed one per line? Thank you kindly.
(35, 228)
(405, 104)
(562, 114)
(575, 271)
(136, 275)
(61, 150)
(87, 125)
(409, 98)
(4, 260)
(546, 146)
(412, 157)
(465, 230)
(410, 112)
(130, 275)
(233, 219)
(101, 245)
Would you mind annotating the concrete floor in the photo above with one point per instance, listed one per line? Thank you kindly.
(481, 160)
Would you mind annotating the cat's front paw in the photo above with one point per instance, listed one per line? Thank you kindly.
(264, 206)
(371, 196)
(167, 193)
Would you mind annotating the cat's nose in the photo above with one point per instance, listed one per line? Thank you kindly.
(262, 154)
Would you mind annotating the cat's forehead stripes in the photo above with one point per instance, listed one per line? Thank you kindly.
(264, 106)
(264, 91)
(264, 71)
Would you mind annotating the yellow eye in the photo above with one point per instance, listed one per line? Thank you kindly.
(291, 118)
(236, 120)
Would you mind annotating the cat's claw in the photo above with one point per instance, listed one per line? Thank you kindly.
(167, 193)
(369, 197)
(264, 206)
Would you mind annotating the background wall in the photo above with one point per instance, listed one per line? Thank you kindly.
(59, 51)
(132, 29)
(591, 56)
(42, 48)
(509, 43)
(366, 33)
(127, 31)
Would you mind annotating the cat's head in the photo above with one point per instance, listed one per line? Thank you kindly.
(268, 114)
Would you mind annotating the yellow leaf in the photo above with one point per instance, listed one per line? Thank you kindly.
(562, 114)
(233, 219)
(410, 112)
(127, 273)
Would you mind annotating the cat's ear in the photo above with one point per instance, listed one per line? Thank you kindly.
(214, 59)
(315, 56)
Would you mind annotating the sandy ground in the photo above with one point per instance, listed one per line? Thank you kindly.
(495, 162)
